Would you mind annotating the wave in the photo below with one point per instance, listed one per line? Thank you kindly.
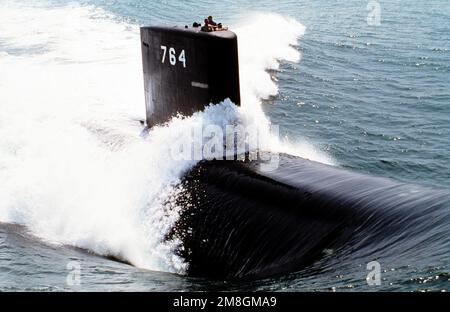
(74, 168)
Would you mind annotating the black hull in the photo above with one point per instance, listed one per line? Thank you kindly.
(242, 223)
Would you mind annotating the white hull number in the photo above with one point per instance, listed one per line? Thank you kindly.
(173, 56)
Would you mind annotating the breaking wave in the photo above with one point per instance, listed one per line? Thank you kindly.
(73, 165)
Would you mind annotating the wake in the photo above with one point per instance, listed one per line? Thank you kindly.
(73, 166)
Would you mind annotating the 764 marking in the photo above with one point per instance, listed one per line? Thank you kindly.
(173, 56)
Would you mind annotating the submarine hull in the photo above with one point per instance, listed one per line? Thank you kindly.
(240, 222)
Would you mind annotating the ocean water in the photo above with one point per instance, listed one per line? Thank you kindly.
(79, 184)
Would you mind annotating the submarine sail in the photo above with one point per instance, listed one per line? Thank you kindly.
(186, 69)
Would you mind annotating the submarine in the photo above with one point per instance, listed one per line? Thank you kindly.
(239, 222)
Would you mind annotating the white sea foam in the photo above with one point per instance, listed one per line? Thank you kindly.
(73, 166)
